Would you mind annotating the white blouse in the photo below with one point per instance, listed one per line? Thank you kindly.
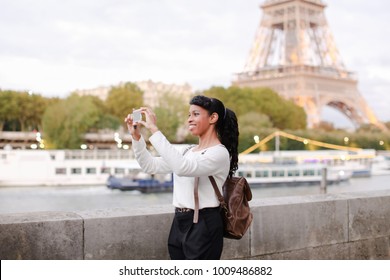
(211, 161)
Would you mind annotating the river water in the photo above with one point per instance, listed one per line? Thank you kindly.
(43, 198)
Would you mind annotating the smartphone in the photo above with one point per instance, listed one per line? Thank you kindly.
(137, 116)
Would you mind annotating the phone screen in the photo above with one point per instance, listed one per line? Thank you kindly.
(137, 116)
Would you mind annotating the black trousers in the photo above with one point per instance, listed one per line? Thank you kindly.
(200, 241)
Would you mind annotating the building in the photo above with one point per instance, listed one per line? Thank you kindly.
(151, 90)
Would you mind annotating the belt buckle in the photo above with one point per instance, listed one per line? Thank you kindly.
(183, 210)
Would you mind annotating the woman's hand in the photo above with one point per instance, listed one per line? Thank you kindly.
(150, 119)
(134, 128)
(150, 123)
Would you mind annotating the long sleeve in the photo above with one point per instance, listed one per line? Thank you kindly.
(213, 161)
(149, 164)
(181, 165)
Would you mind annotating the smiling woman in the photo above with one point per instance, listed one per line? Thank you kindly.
(193, 236)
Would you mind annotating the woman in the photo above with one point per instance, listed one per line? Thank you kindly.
(217, 130)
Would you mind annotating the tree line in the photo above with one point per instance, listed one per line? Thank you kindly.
(64, 121)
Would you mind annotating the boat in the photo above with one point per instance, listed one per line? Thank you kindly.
(358, 160)
(381, 165)
(358, 163)
(150, 185)
(134, 179)
(292, 174)
(257, 175)
(114, 167)
(62, 167)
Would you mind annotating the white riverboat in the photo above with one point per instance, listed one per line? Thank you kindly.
(94, 167)
(62, 167)
(259, 175)
(359, 163)
(381, 165)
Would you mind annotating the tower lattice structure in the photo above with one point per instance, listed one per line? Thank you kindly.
(294, 53)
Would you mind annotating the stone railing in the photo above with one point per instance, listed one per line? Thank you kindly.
(333, 226)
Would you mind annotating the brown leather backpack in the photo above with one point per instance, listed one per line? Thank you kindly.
(235, 209)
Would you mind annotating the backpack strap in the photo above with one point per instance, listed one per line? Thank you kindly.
(196, 196)
(216, 190)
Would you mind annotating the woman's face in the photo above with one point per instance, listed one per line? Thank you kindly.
(199, 120)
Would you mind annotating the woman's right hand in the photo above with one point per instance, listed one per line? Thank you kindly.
(134, 128)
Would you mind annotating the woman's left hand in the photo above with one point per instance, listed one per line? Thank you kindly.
(134, 130)
(150, 119)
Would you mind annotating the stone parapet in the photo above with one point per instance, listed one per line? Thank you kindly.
(334, 226)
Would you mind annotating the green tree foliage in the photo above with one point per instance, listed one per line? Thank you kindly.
(283, 114)
(258, 110)
(370, 128)
(364, 140)
(31, 109)
(8, 107)
(249, 124)
(21, 110)
(105, 120)
(122, 99)
(171, 112)
(66, 121)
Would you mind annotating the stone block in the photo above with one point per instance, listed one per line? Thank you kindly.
(236, 249)
(369, 216)
(370, 249)
(327, 252)
(41, 236)
(294, 223)
(127, 234)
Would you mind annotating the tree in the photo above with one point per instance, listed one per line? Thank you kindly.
(66, 122)
(283, 114)
(36, 109)
(21, 110)
(122, 99)
(105, 119)
(7, 107)
(249, 125)
(368, 127)
(171, 113)
(325, 126)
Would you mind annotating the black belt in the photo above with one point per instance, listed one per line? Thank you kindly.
(185, 210)
(182, 210)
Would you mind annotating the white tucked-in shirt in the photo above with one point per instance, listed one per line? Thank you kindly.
(185, 166)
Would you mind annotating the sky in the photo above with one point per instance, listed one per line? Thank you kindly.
(53, 47)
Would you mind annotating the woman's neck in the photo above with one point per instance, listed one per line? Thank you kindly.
(207, 141)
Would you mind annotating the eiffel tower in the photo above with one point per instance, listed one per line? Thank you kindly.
(294, 53)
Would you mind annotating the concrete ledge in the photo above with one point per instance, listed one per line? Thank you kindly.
(296, 223)
(44, 235)
(127, 233)
(369, 217)
(341, 226)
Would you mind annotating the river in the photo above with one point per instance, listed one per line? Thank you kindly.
(61, 198)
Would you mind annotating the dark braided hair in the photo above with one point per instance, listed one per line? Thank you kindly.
(227, 126)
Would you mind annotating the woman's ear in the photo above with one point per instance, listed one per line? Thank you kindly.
(213, 118)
